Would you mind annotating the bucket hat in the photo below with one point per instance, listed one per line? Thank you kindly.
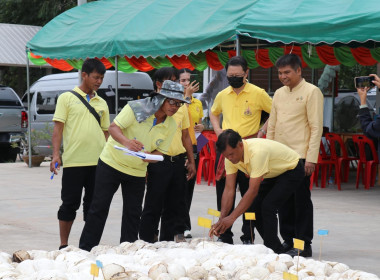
(173, 90)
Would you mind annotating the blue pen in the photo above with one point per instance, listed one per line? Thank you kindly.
(142, 147)
(52, 174)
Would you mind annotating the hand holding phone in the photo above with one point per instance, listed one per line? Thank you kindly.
(364, 81)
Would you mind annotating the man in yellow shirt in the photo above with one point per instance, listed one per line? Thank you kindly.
(275, 173)
(165, 194)
(241, 105)
(83, 141)
(144, 124)
(296, 120)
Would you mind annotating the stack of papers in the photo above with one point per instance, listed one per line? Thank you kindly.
(140, 154)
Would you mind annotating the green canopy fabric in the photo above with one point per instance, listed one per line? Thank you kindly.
(147, 28)
(313, 21)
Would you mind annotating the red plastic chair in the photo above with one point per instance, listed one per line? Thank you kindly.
(370, 166)
(342, 158)
(203, 165)
(322, 166)
(211, 166)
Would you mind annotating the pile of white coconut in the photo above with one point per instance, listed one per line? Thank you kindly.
(197, 259)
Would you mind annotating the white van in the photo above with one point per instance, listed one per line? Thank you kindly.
(44, 94)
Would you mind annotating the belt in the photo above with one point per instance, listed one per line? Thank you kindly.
(174, 158)
(250, 136)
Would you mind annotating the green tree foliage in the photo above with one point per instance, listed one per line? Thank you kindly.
(346, 75)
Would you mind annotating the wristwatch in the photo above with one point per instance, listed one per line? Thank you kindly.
(188, 98)
(263, 131)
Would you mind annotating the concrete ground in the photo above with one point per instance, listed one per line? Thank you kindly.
(29, 201)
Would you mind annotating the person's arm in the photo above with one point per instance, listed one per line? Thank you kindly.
(215, 123)
(131, 144)
(314, 107)
(186, 142)
(227, 221)
(106, 134)
(56, 142)
(370, 128)
(263, 130)
(272, 120)
(199, 127)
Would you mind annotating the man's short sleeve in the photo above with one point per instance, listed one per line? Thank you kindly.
(105, 120)
(216, 108)
(266, 101)
(230, 167)
(125, 118)
(61, 110)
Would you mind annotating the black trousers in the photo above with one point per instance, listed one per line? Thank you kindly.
(273, 194)
(296, 216)
(189, 191)
(243, 181)
(164, 198)
(74, 180)
(108, 180)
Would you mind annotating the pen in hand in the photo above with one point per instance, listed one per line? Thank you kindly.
(52, 174)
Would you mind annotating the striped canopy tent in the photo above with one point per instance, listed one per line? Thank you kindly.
(149, 34)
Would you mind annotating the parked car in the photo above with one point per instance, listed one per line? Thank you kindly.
(13, 124)
(44, 95)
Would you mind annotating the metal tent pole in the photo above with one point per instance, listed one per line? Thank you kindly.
(29, 122)
(238, 47)
(117, 86)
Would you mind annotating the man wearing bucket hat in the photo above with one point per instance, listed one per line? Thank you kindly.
(165, 197)
(147, 125)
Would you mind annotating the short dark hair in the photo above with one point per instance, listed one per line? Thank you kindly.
(230, 137)
(164, 73)
(291, 60)
(237, 61)
(92, 64)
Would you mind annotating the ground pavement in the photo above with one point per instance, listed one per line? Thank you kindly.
(29, 201)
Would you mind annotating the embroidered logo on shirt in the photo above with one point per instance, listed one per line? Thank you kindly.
(299, 98)
(159, 141)
(247, 111)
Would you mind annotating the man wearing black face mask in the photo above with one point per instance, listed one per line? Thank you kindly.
(241, 105)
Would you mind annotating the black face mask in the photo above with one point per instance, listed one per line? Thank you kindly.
(236, 82)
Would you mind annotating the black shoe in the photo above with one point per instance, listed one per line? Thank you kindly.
(307, 252)
(287, 246)
(247, 242)
(227, 240)
(62, 247)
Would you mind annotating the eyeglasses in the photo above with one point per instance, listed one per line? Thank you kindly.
(174, 102)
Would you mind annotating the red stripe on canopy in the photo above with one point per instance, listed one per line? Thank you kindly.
(363, 56)
(262, 58)
(213, 61)
(326, 55)
(180, 62)
(139, 63)
(295, 50)
(59, 64)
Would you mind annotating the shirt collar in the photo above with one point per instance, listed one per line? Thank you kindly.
(297, 87)
(78, 90)
(244, 89)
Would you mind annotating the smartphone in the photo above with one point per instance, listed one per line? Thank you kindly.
(364, 81)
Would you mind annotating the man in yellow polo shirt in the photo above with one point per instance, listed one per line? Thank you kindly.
(83, 141)
(241, 105)
(296, 120)
(275, 173)
(147, 125)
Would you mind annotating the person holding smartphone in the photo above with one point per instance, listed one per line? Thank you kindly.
(370, 127)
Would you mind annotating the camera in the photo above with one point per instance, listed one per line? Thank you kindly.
(364, 81)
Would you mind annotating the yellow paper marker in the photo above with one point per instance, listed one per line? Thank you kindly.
(293, 276)
(94, 270)
(213, 212)
(286, 275)
(203, 222)
(298, 244)
(250, 216)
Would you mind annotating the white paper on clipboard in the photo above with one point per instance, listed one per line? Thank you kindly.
(140, 154)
